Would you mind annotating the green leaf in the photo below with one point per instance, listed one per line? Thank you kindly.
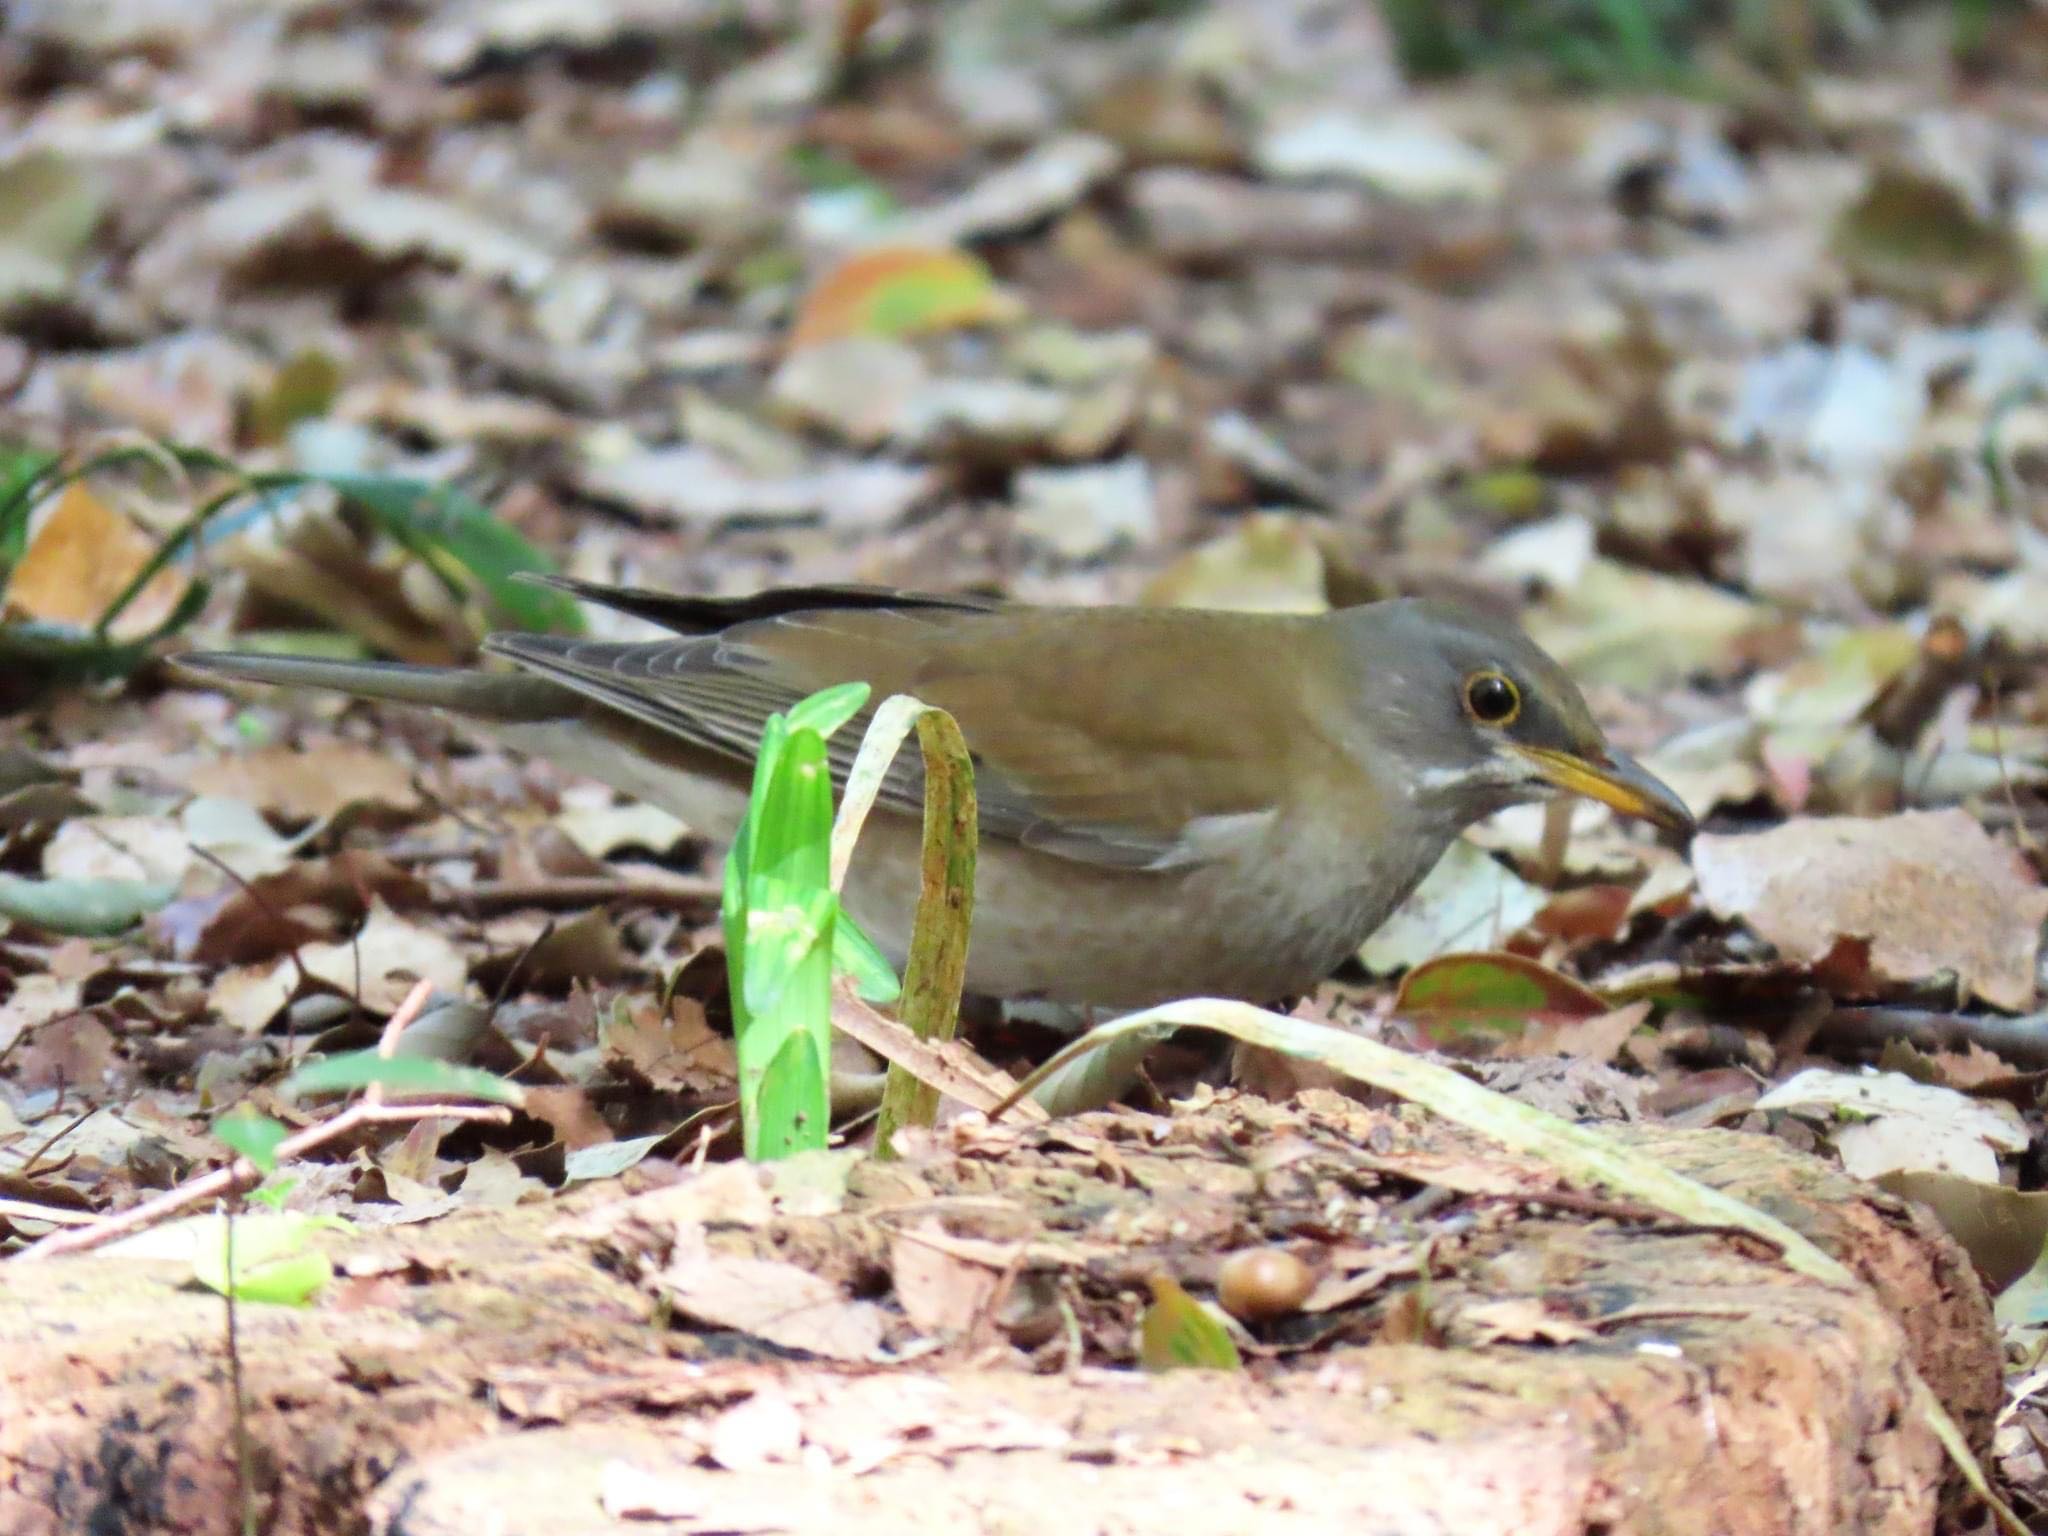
(81, 908)
(1492, 992)
(793, 837)
(272, 1260)
(898, 291)
(254, 1135)
(302, 390)
(784, 939)
(1178, 1333)
(854, 954)
(780, 919)
(274, 1192)
(455, 534)
(405, 1074)
(794, 1113)
(22, 471)
(828, 709)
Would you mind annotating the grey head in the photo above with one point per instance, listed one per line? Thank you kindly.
(1477, 717)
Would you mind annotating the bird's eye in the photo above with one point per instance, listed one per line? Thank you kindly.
(1491, 699)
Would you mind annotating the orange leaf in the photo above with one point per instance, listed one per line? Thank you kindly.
(898, 291)
(81, 556)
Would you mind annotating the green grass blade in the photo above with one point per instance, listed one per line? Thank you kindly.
(402, 1074)
(854, 953)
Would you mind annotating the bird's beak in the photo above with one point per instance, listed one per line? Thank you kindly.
(1612, 778)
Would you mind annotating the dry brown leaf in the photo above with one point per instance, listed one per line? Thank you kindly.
(1516, 1320)
(951, 1066)
(380, 964)
(1597, 1039)
(780, 1303)
(250, 996)
(672, 1051)
(309, 783)
(1932, 891)
(81, 556)
(940, 1292)
(35, 1001)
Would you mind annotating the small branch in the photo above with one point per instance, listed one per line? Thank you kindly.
(593, 891)
(242, 1174)
(2021, 1040)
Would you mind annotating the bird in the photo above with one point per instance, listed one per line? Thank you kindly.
(1173, 802)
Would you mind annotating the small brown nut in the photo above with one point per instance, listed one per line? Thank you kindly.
(1258, 1283)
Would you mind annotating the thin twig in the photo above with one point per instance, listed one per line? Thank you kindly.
(590, 891)
(242, 1173)
(2021, 1039)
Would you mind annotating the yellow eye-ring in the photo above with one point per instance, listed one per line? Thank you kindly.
(1492, 699)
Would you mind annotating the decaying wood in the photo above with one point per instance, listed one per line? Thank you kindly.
(503, 1371)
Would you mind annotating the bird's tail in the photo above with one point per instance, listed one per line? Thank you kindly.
(509, 698)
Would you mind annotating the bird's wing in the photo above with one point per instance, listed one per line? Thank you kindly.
(1085, 746)
(691, 615)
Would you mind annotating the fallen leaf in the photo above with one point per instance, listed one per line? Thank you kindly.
(939, 1291)
(1469, 901)
(1885, 1122)
(781, 1303)
(309, 783)
(387, 955)
(1597, 1039)
(81, 555)
(1179, 1333)
(1270, 563)
(1515, 1320)
(2004, 1230)
(36, 1000)
(128, 848)
(1494, 994)
(49, 207)
(600, 827)
(1932, 891)
(672, 1050)
(897, 291)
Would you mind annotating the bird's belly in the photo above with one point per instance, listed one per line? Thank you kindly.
(1052, 928)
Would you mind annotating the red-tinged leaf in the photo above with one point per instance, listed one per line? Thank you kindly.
(898, 291)
(1493, 993)
(1590, 912)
